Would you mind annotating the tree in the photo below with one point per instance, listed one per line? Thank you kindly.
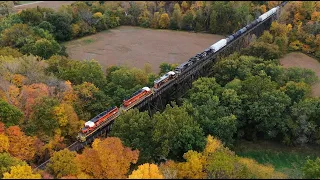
(10, 115)
(42, 120)
(45, 48)
(6, 8)
(146, 171)
(62, 163)
(135, 129)
(164, 21)
(17, 35)
(176, 17)
(262, 50)
(8, 51)
(21, 146)
(109, 157)
(187, 20)
(8, 161)
(4, 143)
(176, 132)
(21, 172)
(311, 169)
(62, 26)
(193, 168)
(296, 90)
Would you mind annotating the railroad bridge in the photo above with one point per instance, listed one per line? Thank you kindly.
(175, 89)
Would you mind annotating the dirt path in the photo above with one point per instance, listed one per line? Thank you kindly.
(47, 4)
(296, 59)
(135, 46)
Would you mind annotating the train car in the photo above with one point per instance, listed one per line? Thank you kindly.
(229, 38)
(92, 124)
(136, 96)
(163, 79)
(218, 45)
(182, 67)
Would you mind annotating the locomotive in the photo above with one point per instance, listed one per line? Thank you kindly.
(95, 123)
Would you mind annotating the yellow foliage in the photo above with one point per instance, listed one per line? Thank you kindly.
(14, 92)
(4, 143)
(260, 171)
(263, 8)
(97, 15)
(194, 167)
(289, 27)
(212, 145)
(164, 21)
(21, 172)
(146, 171)
(60, 115)
(295, 45)
(75, 29)
(18, 79)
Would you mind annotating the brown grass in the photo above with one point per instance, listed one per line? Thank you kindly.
(296, 59)
(135, 46)
(46, 4)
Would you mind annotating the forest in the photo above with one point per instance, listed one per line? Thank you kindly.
(46, 97)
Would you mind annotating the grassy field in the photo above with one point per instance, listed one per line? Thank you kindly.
(285, 159)
(26, 2)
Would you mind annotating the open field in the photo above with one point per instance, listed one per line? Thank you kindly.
(285, 159)
(296, 59)
(135, 46)
(47, 4)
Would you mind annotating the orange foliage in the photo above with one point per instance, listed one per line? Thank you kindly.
(263, 8)
(14, 93)
(29, 93)
(20, 145)
(315, 16)
(18, 80)
(109, 157)
(169, 169)
(2, 128)
(69, 94)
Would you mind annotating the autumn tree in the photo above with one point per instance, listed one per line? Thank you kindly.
(176, 17)
(193, 168)
(4, 143)
(164, 21)
(7, 162)
(20, 145)
(21, 172)
(109, 158)
(62, 163)
(146, 171)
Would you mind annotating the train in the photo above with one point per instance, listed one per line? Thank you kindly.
(94, 124)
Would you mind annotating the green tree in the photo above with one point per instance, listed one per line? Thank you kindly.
(262, 50)
(187, 21)
(62, 163)
(42, 119)
(296, 91)
(311, 169)
(176, 17)
(62, 26)
(135, 129)
(45, 48)
(9, 115)
(7, 162)
(16, 36)
(176, 132)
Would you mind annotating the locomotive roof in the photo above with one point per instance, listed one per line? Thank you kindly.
(95, 119)
(137, 92)
(164, 76)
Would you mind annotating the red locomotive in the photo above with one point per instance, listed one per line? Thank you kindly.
(163, 79)
(99, 119)
(136, 96)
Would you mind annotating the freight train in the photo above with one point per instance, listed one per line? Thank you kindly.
(104, 117)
